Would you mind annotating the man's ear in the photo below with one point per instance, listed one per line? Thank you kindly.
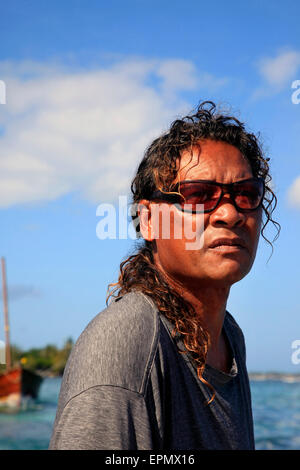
(146, 220)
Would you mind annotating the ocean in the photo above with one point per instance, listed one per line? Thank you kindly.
(276, 412)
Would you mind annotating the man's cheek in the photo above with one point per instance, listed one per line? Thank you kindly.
(193, 231)
(166, 223)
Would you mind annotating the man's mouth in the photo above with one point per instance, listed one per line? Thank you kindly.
(228, 244)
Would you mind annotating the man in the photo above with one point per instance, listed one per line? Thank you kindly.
(163, 367)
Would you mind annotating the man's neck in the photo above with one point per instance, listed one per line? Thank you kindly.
(210, 304)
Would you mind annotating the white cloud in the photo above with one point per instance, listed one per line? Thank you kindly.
(84, 131)
(177, 74)
(277, 72)
(294, 193)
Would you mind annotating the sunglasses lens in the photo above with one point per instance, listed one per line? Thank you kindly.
(200, 193)
(248, 195)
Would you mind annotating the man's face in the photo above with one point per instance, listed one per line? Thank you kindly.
(222, 265)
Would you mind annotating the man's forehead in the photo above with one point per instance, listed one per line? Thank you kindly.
(209, 157)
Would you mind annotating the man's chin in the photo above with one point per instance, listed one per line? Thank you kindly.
(227, 278)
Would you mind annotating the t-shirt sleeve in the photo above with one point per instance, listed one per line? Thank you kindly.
(103, 418)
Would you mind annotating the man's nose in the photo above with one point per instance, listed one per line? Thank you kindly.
(227, 214)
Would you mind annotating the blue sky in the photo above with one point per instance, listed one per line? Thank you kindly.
(88, 85)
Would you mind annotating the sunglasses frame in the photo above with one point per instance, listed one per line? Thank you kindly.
(228, 187)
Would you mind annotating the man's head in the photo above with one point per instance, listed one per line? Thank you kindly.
(214, 147)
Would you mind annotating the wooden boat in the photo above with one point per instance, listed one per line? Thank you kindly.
(17, 382)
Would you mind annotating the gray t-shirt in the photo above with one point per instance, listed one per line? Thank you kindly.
(126, 386)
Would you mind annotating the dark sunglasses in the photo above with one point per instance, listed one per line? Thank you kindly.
(246, 195)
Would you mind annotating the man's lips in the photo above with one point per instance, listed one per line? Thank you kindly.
(225, 244)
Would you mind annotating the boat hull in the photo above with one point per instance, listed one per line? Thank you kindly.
(10, 389)
(30, 383)
(17, 384)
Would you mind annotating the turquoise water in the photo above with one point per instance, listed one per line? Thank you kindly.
(276, 411)
(30, 429)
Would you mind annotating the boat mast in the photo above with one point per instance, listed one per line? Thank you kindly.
(6, 324)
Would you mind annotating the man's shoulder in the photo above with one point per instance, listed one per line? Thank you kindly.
(231, 321)
(235, 332)
(117, 347)
(125, 316)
